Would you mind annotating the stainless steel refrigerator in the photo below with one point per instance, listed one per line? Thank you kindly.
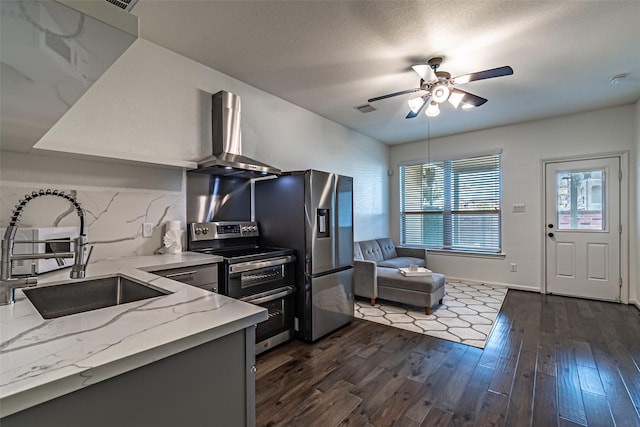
(312, 212)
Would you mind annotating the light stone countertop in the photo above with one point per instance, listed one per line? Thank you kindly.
(43, 359)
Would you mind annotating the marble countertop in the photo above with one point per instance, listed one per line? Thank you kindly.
(43, 359)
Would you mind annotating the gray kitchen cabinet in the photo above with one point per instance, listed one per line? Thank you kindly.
(212, 384)
(202, 276)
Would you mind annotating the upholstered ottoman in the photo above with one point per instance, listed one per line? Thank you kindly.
(414, 290)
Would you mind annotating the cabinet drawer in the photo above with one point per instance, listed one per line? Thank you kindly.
(202, 276)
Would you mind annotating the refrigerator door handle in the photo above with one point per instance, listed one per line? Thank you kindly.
(334, 222)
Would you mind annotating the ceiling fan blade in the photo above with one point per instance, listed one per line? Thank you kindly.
(390, 95)
(413, 114)
(486, 74)
(424, 71)
(465, 98)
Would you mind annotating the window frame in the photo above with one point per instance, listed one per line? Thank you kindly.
(448, 214)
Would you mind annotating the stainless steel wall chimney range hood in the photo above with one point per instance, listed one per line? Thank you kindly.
(51, 52)
(227, 159)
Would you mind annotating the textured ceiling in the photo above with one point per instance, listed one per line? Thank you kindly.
(330, 56)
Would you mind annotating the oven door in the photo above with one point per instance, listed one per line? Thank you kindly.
(278, 327)
(257, 277)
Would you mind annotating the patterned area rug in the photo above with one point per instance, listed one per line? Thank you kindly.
(466, 315)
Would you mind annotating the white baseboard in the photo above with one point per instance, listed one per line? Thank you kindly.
(504, 285)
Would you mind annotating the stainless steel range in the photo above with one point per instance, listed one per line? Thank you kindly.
(264, 276)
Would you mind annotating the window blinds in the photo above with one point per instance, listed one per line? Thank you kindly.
(452, 204)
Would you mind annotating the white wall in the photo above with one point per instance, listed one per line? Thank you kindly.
(524, 147)
(154, 105)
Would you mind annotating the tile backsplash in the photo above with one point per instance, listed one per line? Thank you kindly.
(113, 216)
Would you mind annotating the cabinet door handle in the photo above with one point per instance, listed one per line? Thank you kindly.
(188, 275)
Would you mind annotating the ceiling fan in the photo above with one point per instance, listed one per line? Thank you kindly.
(440, 86)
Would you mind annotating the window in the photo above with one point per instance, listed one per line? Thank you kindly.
(580, 200)
(452, 205)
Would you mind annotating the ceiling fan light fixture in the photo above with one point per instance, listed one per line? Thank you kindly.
(440, 92)
(433, 109)
(456, 98)
(438, 86)
(415, 103)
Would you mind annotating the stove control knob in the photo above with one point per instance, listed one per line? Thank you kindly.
(205, 231)
(198, 231)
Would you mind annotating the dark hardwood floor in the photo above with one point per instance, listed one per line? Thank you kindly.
(550, 361)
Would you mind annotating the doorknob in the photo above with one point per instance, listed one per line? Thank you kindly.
(550, 234)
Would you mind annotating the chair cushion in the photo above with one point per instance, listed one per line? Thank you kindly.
(371, 251)
(387, 247)
(401, 262)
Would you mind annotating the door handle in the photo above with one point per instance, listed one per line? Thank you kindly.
(270, 296)
(550, 234)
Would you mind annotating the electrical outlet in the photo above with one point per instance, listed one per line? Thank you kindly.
(147, 229)
(519, 208)
(513, 267)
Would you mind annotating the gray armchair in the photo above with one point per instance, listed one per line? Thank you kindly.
(376, 275)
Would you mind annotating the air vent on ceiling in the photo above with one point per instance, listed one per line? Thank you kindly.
(124, 4)
(366, 108)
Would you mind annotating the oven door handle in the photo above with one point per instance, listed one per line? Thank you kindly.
(255, 265)
(269, 297)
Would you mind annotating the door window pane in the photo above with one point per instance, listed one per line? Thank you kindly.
(580, 196)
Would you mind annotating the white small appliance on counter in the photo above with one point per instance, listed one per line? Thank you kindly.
(39, 266)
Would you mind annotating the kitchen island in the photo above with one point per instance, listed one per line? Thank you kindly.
(169, 360)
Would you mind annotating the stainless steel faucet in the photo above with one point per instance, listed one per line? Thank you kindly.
(8, 283)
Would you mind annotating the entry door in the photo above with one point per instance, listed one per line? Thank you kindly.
(583, 228)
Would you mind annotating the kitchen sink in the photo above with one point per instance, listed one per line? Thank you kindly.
(78, 297)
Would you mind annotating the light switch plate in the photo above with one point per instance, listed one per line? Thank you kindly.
(519, 208)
